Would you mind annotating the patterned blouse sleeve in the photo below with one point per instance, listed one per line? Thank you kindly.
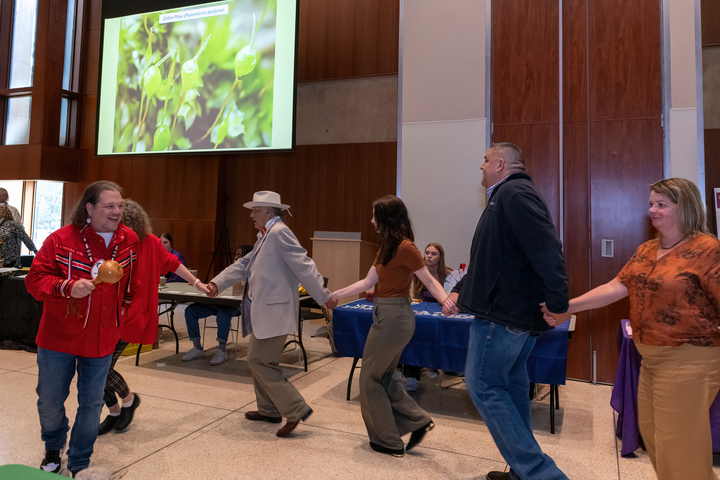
(710, 281)
(26, 239)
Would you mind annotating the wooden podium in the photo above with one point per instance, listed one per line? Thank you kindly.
(343, 258)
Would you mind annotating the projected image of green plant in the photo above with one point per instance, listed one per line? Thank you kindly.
(202, 82)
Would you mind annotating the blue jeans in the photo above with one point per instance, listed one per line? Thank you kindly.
(56, 371)
(196, 311)
(497, 379)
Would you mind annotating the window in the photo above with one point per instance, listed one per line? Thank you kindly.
(43, 200)
(70, 95)
(47, 210)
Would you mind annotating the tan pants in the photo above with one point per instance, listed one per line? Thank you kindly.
(276, 397)
(387, 409)
(676, 388)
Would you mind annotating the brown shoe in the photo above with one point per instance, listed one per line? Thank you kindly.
(259, 417)
(290, 426)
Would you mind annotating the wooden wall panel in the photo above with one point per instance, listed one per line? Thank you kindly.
(712, 173)
(624, 46)
(525, 55)
(540, 145)
(197, 249)
(576, 178)
(347, 38)
(173, 186)
(625, 158)
(575, 100)
(710, 21)
(328, 187)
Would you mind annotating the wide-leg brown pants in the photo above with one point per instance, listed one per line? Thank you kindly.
(387, 409)
(676, 388)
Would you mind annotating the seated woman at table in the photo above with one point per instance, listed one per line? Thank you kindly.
(11, 233)
(196, 311)
(167, 242)
(387, 409)
(435, 263)
(141, 322)
(673, 284)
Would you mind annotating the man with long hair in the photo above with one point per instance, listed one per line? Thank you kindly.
(81, 321)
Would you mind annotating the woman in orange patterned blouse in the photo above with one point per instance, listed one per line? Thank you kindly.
(673, 284)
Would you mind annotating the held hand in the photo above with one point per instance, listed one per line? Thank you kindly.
(203, 288)
(82, 288)
(331, 304)
(212, 290)
(449, 307)
(553, 319)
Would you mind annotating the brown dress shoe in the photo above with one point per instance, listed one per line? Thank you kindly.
(259, 417)
(290, 426)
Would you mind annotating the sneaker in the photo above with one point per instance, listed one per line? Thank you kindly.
(431, 372)
(219, 358)
(193, 354)
(411, 384)
(52, 461)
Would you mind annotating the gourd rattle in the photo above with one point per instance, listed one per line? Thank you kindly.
(109, 272)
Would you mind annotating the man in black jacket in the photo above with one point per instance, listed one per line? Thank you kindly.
(516, 263)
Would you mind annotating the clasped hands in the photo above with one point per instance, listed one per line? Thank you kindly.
(211, 290)
(554, 319)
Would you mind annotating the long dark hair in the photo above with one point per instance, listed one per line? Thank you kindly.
(393, 225)
(91, 195)
(169, 237)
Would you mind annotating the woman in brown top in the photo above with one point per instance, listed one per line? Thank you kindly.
(387, 409)
(673, 284)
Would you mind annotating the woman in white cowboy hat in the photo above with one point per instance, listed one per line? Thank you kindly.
(270, 307)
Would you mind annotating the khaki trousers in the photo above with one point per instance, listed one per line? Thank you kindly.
(676, 388)
(276, 397)
(387, 409)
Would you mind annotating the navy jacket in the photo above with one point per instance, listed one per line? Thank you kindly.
(516, 260)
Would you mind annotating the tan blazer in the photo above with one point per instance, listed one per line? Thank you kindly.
(276, 264)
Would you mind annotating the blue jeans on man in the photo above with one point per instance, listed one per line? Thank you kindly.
(56, 371)
(196, 311)
(497, 379)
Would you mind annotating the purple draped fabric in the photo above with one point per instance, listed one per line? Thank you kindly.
(624, 398)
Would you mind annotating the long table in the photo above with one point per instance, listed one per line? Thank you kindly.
(624, 398)
(441, 342)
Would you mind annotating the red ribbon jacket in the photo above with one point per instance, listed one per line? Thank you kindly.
(141, 325)
(59, 264)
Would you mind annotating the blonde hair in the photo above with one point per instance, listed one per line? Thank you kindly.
(690, 214)
(5, 212)
(135, 217)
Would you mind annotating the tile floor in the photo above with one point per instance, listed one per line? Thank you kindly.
(191, 424)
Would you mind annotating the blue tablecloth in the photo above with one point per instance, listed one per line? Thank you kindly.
(624, 398)
(441, 342)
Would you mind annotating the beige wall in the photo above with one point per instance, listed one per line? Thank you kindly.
(684, 158)
(442, 135)
(354, 110)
